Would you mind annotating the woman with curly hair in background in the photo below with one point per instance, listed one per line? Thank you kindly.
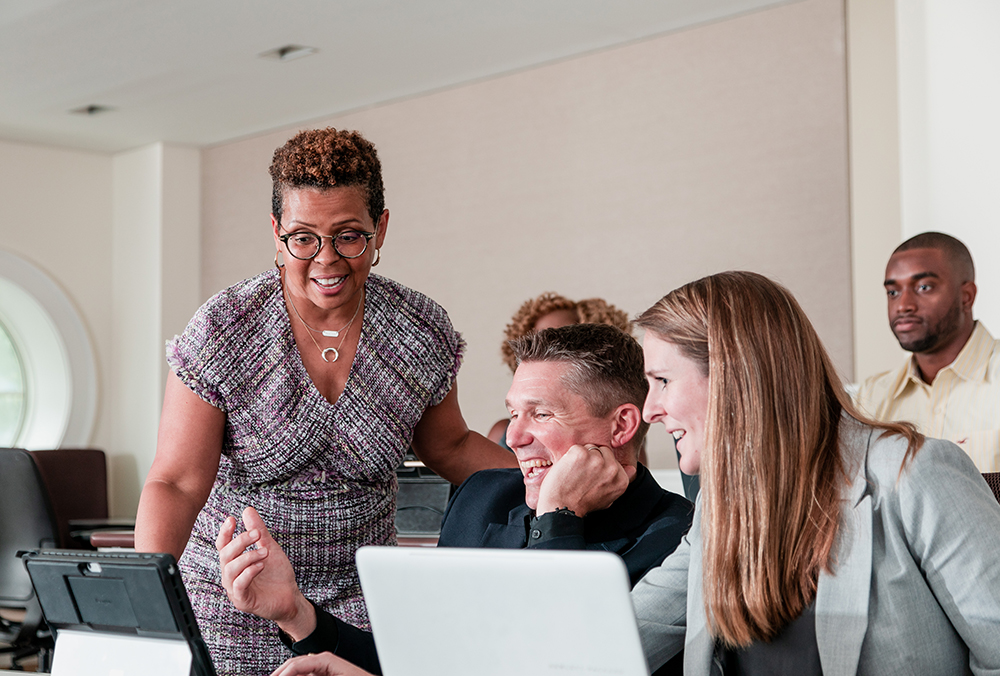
(298, 391)
(550, 311)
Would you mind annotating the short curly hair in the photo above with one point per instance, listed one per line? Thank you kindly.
(600, 311)
(589, 311)
(328, 158)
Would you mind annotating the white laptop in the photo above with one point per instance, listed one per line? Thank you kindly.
(449, 612)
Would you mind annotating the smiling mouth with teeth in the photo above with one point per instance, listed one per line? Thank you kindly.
(678, 434)
(531, 468)
(331, 281)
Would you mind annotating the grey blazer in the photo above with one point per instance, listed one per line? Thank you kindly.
(916, 584)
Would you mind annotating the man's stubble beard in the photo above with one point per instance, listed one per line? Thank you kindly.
(946, 326)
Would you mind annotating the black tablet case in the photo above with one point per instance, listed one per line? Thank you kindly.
(124, 593)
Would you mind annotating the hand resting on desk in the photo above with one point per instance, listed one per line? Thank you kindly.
(261, 581)
(323, 664)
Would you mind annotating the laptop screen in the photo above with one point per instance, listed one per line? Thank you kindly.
(494, 612)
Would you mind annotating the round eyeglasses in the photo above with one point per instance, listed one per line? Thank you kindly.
(306, 245)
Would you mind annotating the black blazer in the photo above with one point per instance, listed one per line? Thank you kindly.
(643, 526)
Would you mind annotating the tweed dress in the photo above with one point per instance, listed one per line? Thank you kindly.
(321, 475)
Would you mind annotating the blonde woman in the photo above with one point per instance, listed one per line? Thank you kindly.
(823, 542)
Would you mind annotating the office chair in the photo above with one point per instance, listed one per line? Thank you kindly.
(77, 483)
(993, 479)
(421, 499)
(26, 522)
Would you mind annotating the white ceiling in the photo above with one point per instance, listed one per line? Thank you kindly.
(188, 71)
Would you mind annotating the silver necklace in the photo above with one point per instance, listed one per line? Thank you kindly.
(329, 334)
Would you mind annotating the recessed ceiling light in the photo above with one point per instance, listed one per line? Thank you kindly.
(288, 52)
(92, 109)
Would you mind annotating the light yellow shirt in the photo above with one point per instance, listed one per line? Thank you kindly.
(963, 404)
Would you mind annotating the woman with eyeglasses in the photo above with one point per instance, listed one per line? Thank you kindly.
(298, 392)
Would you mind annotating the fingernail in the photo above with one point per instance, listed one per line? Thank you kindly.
(253, 533)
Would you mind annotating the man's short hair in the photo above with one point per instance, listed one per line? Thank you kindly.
(954, 250)
(606, 365)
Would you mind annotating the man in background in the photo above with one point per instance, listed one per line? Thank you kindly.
(950, 386)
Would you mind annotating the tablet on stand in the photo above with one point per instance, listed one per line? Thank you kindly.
(117, 613)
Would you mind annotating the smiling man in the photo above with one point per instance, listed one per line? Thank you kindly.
(950, 386)
(575, 403)
(577, 393)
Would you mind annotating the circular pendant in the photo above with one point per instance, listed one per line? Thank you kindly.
(336, 355)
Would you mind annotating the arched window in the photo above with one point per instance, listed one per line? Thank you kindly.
(48, 377)
(12, 395)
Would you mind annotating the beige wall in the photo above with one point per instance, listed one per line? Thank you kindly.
(949, 64)
(120, 237)
(876, 216)
(620, 174)
(923, 147)
(62, 198)
(57, 216)
(156, 281)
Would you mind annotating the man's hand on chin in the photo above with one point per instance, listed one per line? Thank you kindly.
(586, 479)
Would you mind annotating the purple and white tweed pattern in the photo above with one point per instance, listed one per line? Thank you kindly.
(320, 474)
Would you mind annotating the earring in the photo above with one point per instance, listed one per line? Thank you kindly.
(378, 257)
(276, 260)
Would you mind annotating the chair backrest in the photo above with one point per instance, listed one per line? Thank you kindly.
(26, 522)
(993, 479)
(77, 482)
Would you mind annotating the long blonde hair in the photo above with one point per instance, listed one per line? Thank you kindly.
(771, 470)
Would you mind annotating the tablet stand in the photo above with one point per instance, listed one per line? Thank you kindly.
(84, 653)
